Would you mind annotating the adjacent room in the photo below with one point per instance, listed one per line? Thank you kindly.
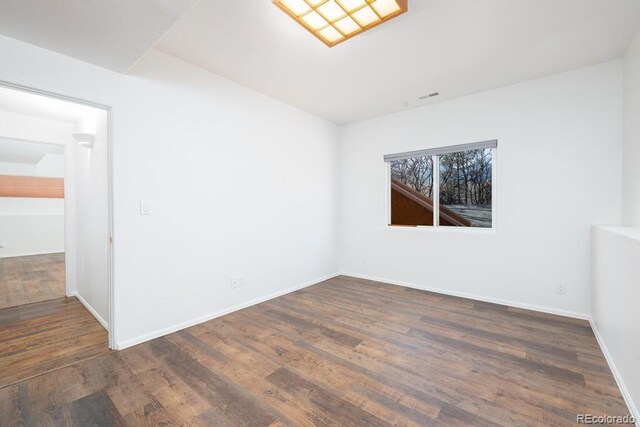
(32, 209)
(54, 248)
(319, 212)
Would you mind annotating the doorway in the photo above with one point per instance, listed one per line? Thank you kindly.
(55, 230)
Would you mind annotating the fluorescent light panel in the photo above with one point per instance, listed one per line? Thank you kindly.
(334, 21)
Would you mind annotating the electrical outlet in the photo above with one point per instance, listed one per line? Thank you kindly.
(145, 207)
(3, 245)
(561, 288)
(237, 282)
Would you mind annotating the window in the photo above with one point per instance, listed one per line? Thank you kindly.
(443, 187)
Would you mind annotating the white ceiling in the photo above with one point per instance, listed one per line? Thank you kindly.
(111, 33)
(455, 47)
(25, 152)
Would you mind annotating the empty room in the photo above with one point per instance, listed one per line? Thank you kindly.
(319, 212)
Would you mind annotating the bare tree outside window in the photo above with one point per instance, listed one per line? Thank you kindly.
(466, 184)
(465, 189)
(412, 191)
(416, 172)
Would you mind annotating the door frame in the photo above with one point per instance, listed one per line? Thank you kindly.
(109, 110)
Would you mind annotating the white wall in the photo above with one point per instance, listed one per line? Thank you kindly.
(92, 220)
(31, 226)
(631, 200)
(222, 166)
(614, 304)
(558, 172)
(32, 234)
(241, 184)
(616, 251)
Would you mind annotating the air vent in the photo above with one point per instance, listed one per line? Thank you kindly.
(431, 95)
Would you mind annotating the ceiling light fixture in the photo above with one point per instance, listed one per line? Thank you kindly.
(334, 21)
(84, 139)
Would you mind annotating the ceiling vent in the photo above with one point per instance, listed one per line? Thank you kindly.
(431, 95)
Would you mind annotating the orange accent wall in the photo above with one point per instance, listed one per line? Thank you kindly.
(31, 186)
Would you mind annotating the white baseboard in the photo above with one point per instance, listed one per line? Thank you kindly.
(616, 374)
(165, 331)
(90, 309)
(31, 254)
(542, 309)
(174, 328)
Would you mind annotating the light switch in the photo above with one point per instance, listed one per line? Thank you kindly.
(145, 207)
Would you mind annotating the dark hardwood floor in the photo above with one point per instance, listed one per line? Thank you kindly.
(28, 279)
(44, 336)
(344, 352)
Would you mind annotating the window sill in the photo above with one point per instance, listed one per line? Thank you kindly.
(431, 229)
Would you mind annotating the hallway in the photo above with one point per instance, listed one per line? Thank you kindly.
(29, 279)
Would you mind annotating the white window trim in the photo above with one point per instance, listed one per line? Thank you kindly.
(437, 228)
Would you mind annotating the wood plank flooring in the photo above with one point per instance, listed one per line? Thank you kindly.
(28, 279)
(43, 336)
(343, 352)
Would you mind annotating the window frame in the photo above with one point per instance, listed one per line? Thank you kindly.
(435, 154)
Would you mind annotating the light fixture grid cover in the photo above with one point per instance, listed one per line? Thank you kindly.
(310, 6)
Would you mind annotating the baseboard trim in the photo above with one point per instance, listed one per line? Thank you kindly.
(605, 351)
(171, 329)
(31, 254)
(542, 309)
(90, 309)
(616, 373)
